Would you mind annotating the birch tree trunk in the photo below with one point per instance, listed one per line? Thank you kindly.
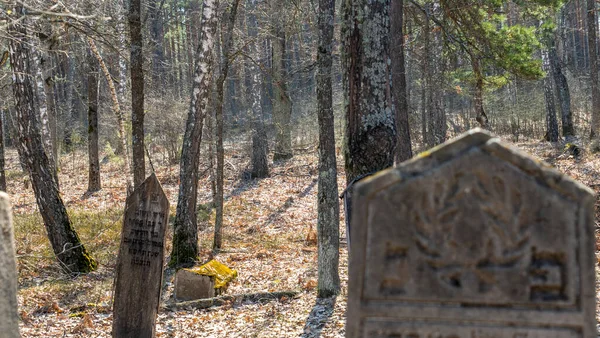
(328, 219)
(46, 98)
(69, 250)
(185, 239)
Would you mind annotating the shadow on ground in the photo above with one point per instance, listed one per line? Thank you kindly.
(318, 317)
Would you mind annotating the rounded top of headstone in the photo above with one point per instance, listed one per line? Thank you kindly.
(477, 140)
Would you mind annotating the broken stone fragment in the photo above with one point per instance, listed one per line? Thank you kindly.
(206, 281)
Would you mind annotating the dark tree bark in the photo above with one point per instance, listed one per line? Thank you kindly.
(2, 161)
(328, 206)
(480, 115)
(260, 149)
(227, 37)
(94, 183)
(116, 109)
(69, 250)
(403, 145)
(562, 93)
(551, 122)
(370, 123)
(592, 42)
(157, 39)
(137, 93)
(282, 103)
(185, 238)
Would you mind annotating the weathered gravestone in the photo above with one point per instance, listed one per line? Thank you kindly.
(9, 319)
(472, 240)
(141, 259)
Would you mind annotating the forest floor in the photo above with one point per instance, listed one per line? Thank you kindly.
(265, 239)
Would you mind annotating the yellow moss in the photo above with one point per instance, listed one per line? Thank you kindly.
(222, 274)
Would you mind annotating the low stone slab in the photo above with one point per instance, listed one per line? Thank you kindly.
(206, 281)
(190, 285)
(473, 239)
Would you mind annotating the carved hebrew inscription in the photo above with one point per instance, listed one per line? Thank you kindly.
(478, 234)
(143, 241)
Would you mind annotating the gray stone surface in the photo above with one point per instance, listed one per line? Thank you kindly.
(9, 319)
(140, 264)
(473, 239)
(190, 285)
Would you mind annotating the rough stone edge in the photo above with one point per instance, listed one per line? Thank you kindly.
(11, 330)
(144, 185)
(482, 139)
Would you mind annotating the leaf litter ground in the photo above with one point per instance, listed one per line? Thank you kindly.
(268, 238)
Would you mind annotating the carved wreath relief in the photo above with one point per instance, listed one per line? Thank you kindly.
(473, 233)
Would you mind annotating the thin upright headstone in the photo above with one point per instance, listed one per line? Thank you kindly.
(141, 260)
(473, 239)
(9, 318)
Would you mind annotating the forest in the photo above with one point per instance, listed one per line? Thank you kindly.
(257, 117)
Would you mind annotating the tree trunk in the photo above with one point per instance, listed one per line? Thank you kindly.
(591, 30)
(116, 109)
(260, 149)
(94, 183)
(227, 37)
(551, 122)
(137, 93)
(122, 61)
(480, 115)
(69, 250)
(45, 87)
(370, 127)
(328, 206)
(157, 38)
(403, 145)
(185, 239)
(562, 93)
(2, 161)
(282, 103)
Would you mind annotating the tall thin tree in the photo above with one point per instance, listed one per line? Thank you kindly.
(400, 95)
(185, 238)
(328, 206)
(94, 183)
(593, 55)
(64, 240)
(227, 37)
(137, 93)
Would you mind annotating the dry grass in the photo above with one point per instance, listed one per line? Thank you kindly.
(266, 224)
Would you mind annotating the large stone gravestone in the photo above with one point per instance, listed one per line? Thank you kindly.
(140, 263)
(9, 319)
(474, 239)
